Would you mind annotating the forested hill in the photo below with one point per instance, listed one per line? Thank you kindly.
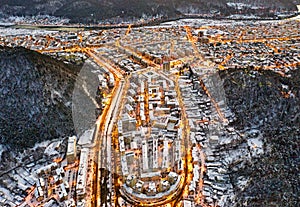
(95, 10)
(36, 97)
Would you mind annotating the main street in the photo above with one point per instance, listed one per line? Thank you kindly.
(107, 121)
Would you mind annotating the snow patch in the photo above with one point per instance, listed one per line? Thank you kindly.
(239, 16)
(52, 148)
(2, 149)
(238, 5)
(87, 137)
(242, 182)
(41, 144)
(18, 32)
(256, 146)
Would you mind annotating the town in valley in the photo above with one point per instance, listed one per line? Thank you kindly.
(162, 133)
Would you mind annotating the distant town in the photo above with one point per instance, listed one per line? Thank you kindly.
(162, 122)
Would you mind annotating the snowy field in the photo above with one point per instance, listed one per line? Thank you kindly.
(210, 22)
(17, 32)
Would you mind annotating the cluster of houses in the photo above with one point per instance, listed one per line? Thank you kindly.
(150, 137)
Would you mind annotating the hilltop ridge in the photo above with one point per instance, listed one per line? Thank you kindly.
(92, 11)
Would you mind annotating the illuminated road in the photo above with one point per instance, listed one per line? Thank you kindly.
(107, 121)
